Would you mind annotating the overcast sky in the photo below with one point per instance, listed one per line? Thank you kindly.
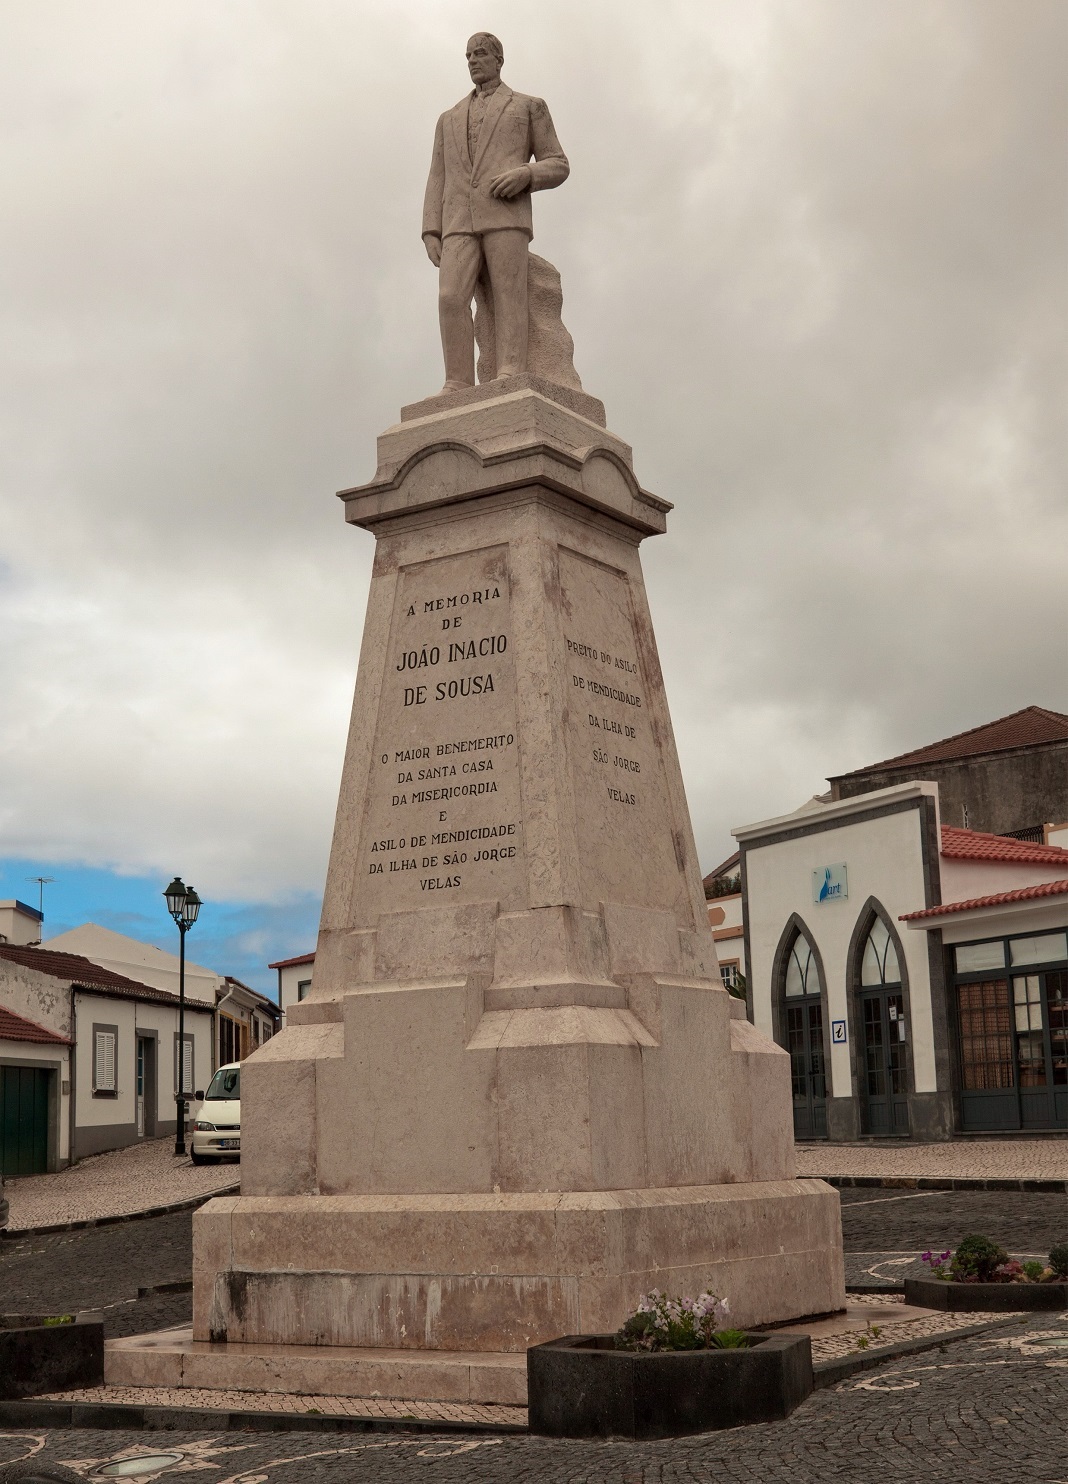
(813, 261)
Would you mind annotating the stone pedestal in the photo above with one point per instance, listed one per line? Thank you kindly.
(517, 1094)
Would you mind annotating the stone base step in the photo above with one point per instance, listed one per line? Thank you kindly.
(172, 1358)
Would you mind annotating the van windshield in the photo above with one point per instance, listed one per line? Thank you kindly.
(225, 1086)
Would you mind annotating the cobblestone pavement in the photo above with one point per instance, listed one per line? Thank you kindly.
(102, 1268)
(989, 1410)
(959, 1159)
(118, 1183)
(879, 1220)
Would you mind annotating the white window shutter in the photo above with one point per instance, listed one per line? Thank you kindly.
(104, 1061)
(187, 1065)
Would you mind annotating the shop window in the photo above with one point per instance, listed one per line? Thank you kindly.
(1013, 1031)
(974, 958)
(1045, 948)
(985, 1035)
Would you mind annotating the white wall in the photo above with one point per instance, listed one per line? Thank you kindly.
(35, 996)
(113, 1118)
(288, 980)
(1001, 922)
(884, 859)
(964, 879)
(725, 920)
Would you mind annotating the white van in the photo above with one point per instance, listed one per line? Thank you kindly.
(217, 1125)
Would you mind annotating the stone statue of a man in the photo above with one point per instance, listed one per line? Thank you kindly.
(476, 215)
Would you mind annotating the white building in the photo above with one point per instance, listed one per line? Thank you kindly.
(294, 978)
(723, 894)
(98, 1066)
(245, 1017)
(917, 973)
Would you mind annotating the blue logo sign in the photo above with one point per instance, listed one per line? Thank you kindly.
(838, 1032)
(830, 883)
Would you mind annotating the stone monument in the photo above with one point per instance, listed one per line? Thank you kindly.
(517, 1094)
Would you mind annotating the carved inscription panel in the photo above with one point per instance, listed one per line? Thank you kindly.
(443, 823)
(626, 844)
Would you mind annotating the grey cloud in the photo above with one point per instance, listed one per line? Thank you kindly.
(812, 257)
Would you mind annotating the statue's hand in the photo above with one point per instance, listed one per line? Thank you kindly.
(433, 248)
(511, 183)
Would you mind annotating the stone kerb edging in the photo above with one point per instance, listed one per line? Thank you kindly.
(942, 1182)
(190, 1204)
(134, 1418)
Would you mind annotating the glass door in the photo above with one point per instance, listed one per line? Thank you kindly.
(1040, 1015)
(884, 1069)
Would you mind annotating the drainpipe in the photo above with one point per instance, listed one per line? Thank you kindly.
(71, 1060)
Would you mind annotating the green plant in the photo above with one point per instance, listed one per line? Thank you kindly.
(1033, 1271)
(871, 1332)
(59, 1319)
(663, 1323)
(730, 1339)
(1058, 1259)
(977, 1259)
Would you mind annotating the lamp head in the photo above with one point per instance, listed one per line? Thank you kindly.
(175, 895)
(191, 907)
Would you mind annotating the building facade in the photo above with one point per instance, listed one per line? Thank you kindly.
(294, 978)
(1006, 777)
(244, 1019)
(99, 1067)
(723, 893)
(864, 920)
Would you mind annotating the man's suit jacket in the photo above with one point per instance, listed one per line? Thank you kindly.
(515, 128)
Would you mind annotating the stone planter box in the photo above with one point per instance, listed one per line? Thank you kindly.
(1004, 1298)
(37, 1357)
(581, 1386)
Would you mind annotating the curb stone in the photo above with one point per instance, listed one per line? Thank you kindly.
(937, 1182)
(829, 1372)
(10, 1234)
(134, 1417)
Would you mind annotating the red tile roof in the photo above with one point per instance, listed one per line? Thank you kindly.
(80, 971)
(1030, 727)
(16, 1028)
(1023, 894)
(728, 867)
(289, 963)
(974, 845)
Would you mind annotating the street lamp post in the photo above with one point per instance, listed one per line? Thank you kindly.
(183, 904)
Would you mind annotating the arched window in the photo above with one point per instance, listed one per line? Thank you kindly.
(879, 963)
(802, 975)
(802, 1020)
(883, 1062)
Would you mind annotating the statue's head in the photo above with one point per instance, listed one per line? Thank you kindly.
(485, 57)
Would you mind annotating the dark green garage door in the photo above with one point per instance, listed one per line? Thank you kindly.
(23, 1121)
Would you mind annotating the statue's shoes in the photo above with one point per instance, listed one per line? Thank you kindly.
(455, 386)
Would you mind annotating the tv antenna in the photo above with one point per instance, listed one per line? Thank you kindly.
(42, 882)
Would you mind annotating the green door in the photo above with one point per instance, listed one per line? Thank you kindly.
(24, 1120)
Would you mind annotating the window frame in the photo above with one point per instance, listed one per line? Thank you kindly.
(98, 1091)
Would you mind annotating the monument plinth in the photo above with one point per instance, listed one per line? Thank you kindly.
(517, 1095)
